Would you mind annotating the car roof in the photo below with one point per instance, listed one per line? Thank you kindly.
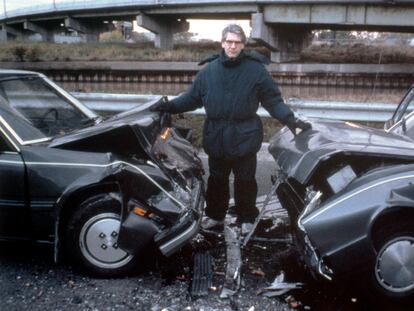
(12, 72)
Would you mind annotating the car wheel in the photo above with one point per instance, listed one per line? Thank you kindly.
(393, 271)
(92, 237)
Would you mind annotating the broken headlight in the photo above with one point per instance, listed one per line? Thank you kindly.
(181, 194)
(175, 202)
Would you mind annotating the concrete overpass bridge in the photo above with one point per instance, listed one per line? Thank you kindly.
(282, 25)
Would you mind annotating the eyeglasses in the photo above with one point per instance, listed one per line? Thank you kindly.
(231, 42)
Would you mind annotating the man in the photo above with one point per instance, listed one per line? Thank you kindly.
(230, 88)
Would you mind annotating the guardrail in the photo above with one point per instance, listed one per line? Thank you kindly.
(351, 111)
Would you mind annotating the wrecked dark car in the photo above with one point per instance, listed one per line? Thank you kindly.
(102, 191)
(349, 192)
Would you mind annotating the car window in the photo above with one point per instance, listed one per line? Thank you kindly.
(40, 106)
(404, 111)
(4, 146)
(18, 123)
(405, 107)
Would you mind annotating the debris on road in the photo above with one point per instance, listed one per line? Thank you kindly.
(293, 302)
(257, 272)
(202, 279)
(279, 287)
(261, 213)
(234, 262)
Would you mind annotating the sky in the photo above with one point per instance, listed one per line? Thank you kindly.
(210, 29)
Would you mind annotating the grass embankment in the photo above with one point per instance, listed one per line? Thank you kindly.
(338, 53)
(359, 54)
(102, 52)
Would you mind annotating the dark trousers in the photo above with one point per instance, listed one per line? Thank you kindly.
(245, 187)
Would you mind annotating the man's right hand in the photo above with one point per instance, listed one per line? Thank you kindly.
(162, 105)
(294, 123)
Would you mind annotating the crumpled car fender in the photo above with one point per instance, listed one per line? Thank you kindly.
(344, 224)
(118, 177)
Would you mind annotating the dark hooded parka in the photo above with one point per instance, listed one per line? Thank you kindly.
(230, 91)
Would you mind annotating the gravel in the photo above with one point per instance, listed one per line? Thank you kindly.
(29, 280)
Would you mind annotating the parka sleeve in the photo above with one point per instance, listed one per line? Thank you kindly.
(190, 100)
(271, 98)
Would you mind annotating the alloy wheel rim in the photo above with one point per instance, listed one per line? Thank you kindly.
(394, 267)
(98, 242)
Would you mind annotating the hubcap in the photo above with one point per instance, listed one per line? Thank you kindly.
(98, 242)
(394, 268)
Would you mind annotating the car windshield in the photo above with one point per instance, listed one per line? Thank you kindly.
(35, 110)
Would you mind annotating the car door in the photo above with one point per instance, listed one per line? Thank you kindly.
(14, 208)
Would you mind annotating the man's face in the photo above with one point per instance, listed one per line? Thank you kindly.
(233, 45)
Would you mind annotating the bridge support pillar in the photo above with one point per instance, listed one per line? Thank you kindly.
(34, 28)
(291, 44)
(9, 32)
(3, 34)
(285, 44)
(163, 28)
(91, 31)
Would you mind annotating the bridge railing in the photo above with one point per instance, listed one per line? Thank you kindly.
(338, 110)
(13, 8)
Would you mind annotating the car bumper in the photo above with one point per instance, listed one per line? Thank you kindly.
(312, 260)
(171, 240)
(338, 264)
(309, 254)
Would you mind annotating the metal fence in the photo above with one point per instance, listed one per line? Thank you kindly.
(369, 112)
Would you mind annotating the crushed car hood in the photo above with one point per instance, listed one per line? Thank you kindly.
(298, 156)
(146, 120)
(135, 134)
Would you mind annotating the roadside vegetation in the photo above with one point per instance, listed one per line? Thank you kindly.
(196, 51)
(195, 122)
(105, 51)
(359, 53)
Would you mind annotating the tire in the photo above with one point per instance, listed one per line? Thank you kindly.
(92, 238)
(392, 273)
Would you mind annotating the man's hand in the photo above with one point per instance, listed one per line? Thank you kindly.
(294, 123)
(163, 105)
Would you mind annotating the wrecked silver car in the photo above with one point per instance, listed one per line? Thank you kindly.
(349, 192)
(103, 191)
